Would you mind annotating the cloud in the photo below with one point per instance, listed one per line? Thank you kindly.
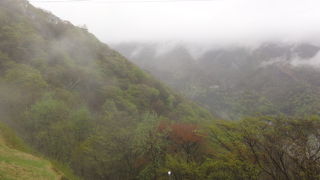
(313, 62)
(218, 21)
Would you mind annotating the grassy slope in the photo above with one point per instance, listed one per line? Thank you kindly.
(17, 164)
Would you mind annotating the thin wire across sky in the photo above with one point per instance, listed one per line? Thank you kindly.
(116, 1)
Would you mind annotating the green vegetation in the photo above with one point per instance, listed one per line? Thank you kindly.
(15, 163)
(97, 116)
(75, 100)
(278, 147)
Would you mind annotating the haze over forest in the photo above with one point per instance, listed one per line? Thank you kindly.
(160, 89)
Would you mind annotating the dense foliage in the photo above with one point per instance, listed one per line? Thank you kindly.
(280, 148)
(83, 105)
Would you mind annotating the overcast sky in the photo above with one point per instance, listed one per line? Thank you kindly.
(209, 21)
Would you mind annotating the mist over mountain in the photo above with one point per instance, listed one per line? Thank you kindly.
(237, 81)
(72, 107)
(79, 103)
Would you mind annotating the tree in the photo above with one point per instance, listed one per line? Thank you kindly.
(282, 148)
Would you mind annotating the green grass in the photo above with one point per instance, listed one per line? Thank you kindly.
(16, 164)
(65, 169)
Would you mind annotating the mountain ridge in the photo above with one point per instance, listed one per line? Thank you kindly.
(236, 70)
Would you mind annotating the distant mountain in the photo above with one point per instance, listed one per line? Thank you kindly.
(97, 116)
(234, 82)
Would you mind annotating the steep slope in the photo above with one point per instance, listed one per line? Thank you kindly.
(77, 101)
(16, 164)
(233, 82)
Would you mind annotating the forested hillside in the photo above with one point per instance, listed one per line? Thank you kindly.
(77, 101)
(96, 116)
(276, 84)
(238, 81)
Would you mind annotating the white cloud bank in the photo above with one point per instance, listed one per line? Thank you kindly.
(220, 21)
(313, 62)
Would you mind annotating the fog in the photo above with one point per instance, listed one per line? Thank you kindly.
(195, 21)
(313, 62)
